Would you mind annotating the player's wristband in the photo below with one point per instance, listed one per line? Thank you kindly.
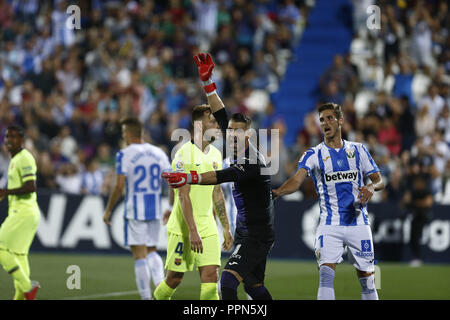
(209, 87)
(193, 178)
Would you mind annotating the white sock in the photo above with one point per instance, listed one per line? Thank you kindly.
(368, 292)
(156, 267)
(326, 289)
(143, 278)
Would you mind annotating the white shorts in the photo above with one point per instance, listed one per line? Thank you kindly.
(141, 232)
(330, 243)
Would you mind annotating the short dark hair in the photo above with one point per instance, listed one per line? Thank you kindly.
(199, 111)
(331, 106)
(133, 125)
(240, 117)
(17, 128)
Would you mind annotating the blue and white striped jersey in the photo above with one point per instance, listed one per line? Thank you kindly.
(142, 165)
(337, 175)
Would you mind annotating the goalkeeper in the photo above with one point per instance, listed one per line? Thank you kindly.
(254, 235)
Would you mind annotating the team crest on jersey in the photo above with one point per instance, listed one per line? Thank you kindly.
(215, 165)
(180, 165)
(350, 154)
(177, 261)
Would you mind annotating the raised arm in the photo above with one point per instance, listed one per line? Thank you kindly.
(205, 67)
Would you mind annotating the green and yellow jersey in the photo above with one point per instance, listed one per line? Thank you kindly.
(18, 229)
(22, 168)
(190, 158)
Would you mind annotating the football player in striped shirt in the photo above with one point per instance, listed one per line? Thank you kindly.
(138, 169)
(338, 168)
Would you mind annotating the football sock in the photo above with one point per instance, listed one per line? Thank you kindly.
(156, 266)
(326, 289)
(163, 291)
(24, 265)
(228, 286)
(208, 291)
(11, 265)
(142, 274)
(368, 292)
(258, 293)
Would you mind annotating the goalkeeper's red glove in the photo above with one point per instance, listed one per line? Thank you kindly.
(179, 179)
(205, 67)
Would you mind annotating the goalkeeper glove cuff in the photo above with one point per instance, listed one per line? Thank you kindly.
(193, 178)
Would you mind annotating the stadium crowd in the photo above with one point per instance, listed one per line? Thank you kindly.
(70, 87)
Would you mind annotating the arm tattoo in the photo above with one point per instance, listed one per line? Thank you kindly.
(219, 206)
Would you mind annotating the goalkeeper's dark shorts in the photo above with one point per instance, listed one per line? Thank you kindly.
(249, 260)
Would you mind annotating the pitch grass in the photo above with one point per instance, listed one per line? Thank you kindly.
(103, 275)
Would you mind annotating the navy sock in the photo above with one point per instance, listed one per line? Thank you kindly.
(258, 293)
(228, 286)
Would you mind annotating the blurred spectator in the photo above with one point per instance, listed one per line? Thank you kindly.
(68, 179)
(92, 178)
(206, 12)
(421, 38)
(341, 74)
(425, 124)
(433, 101)
(403, 82)
(389, 136)
(418, 199)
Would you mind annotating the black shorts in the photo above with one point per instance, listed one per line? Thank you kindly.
(249, 260)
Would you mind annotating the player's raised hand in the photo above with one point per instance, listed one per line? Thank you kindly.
(365, 193)
(205, 65)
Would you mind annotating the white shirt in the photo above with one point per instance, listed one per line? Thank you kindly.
(142, 164)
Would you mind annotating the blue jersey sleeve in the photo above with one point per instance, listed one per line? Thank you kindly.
(368, 165)
(307, 161)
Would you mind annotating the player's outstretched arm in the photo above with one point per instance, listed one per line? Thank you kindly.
(205, 67)
(292, 184)
(220, 208)
(231, 174)
(115, 195)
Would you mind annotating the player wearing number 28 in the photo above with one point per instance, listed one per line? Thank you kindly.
(138, 170)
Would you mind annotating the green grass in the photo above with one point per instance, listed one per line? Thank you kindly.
(286, 280)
